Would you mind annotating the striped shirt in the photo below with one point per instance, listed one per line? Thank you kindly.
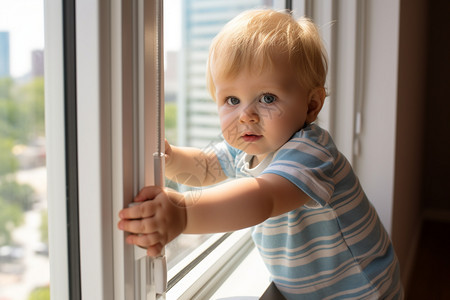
(334, 246)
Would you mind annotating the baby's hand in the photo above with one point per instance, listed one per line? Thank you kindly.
(168, 152)
(156, 222)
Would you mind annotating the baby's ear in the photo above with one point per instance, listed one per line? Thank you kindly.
(315, 102)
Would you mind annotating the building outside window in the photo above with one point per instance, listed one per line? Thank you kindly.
(4, 54)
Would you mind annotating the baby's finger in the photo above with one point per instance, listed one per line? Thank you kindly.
(147, 193)
(155, 250)
(142, 210)
(143, 226)
(145, 240)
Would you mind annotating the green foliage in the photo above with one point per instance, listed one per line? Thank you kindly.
(22, 110)
(16, 193)
(31, 95)
(21, 120)
(11, 216)
(44, 227)
(42, 293)
(6, 85)
(170, 111)
(170, 121)
(13, 125)
(8, 162)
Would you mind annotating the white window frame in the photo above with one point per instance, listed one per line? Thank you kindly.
(116, 137)
(55, 150)
(94, 149)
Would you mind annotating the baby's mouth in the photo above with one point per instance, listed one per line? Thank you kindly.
(250, 137)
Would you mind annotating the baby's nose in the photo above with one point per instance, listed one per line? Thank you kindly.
(249, 115)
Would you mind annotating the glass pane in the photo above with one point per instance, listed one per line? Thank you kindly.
(24, 264)
(190, 113)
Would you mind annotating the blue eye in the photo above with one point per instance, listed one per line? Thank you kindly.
(268, 98)
(233, 101)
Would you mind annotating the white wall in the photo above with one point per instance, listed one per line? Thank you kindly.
(390, 163)
(375, 164)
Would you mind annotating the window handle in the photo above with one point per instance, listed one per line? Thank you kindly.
(160, 269)
(152, 271)
(159, 263)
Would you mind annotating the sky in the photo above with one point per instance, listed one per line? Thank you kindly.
(24, 19)
(172, 25)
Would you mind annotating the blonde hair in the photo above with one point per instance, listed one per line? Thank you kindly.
(252, 38)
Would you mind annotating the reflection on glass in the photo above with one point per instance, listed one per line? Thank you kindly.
(24, 264)
(190, 114)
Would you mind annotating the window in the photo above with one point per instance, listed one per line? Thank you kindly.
(24, 255)
(117, 136)
(114, 138)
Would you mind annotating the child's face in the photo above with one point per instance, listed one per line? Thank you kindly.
(260, 111)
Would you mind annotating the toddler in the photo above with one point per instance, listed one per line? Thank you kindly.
(316, 231)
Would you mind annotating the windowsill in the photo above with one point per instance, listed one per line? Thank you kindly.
(234, 269)
(249, 280)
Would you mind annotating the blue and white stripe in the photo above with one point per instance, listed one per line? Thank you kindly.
(335, 246)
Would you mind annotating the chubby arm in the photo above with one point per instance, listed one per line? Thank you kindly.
(242, 203)
(192, 166)
(233, 205)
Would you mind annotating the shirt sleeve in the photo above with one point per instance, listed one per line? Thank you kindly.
(309, 166)
(227, 158)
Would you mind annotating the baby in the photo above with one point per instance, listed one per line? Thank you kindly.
(316, 231)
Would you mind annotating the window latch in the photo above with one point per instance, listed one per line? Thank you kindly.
(152, 271)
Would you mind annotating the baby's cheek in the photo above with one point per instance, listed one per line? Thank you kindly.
(229, 131)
